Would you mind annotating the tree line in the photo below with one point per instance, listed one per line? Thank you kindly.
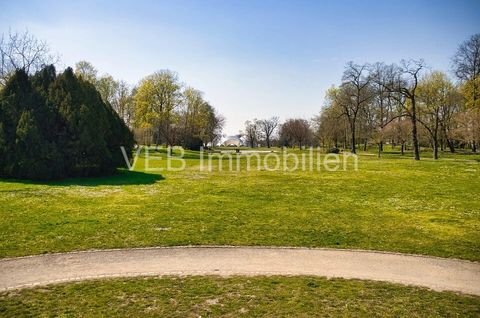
(271, 132)
(405, 104)
(401, 104)
(160, 109)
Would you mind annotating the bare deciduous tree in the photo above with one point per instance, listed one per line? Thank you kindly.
(267, 127)
(123, 102)
(385, 108)
(23, 51)
(354, 95)
(296, 131)
(402, 85)
(466, 64)
(408, 87)
(252, 132)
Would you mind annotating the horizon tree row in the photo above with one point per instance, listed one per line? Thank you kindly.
(402, 104)
(397, 102)
(160, 109)
(271, 132)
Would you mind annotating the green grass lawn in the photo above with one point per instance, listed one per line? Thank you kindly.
(392, 204)
(235, 297)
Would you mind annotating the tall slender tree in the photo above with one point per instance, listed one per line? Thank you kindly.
(466, 65)
(437, 97)
(354, 95)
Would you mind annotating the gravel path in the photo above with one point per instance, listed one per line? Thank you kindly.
(435, 273)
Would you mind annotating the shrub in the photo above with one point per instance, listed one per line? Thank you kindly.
(58, 126)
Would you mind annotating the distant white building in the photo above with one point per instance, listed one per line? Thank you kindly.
(233, 141)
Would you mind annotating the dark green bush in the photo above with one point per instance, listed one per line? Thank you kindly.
(54, 127)
(193, 143)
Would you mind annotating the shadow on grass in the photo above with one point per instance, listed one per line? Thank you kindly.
(122, 177)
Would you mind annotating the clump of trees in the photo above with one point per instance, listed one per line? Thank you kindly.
(167, 112)
(56, 126)
(269, 132)
(466, 65)
(73, 124)
(405, 105)
(296, 132)
(115, 92)
(261, 132)
(160, 109)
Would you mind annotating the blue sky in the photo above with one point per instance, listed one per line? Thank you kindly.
(251, 58)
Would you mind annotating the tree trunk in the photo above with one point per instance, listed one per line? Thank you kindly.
(474, 146)
(449, 142)
(157, 140)
(365, 145)
(354, 146)
(435, 151)
(416, 147)
(435, 140)
(402, 148)
(450, 145)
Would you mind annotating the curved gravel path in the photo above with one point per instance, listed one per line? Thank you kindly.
(435, 273)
